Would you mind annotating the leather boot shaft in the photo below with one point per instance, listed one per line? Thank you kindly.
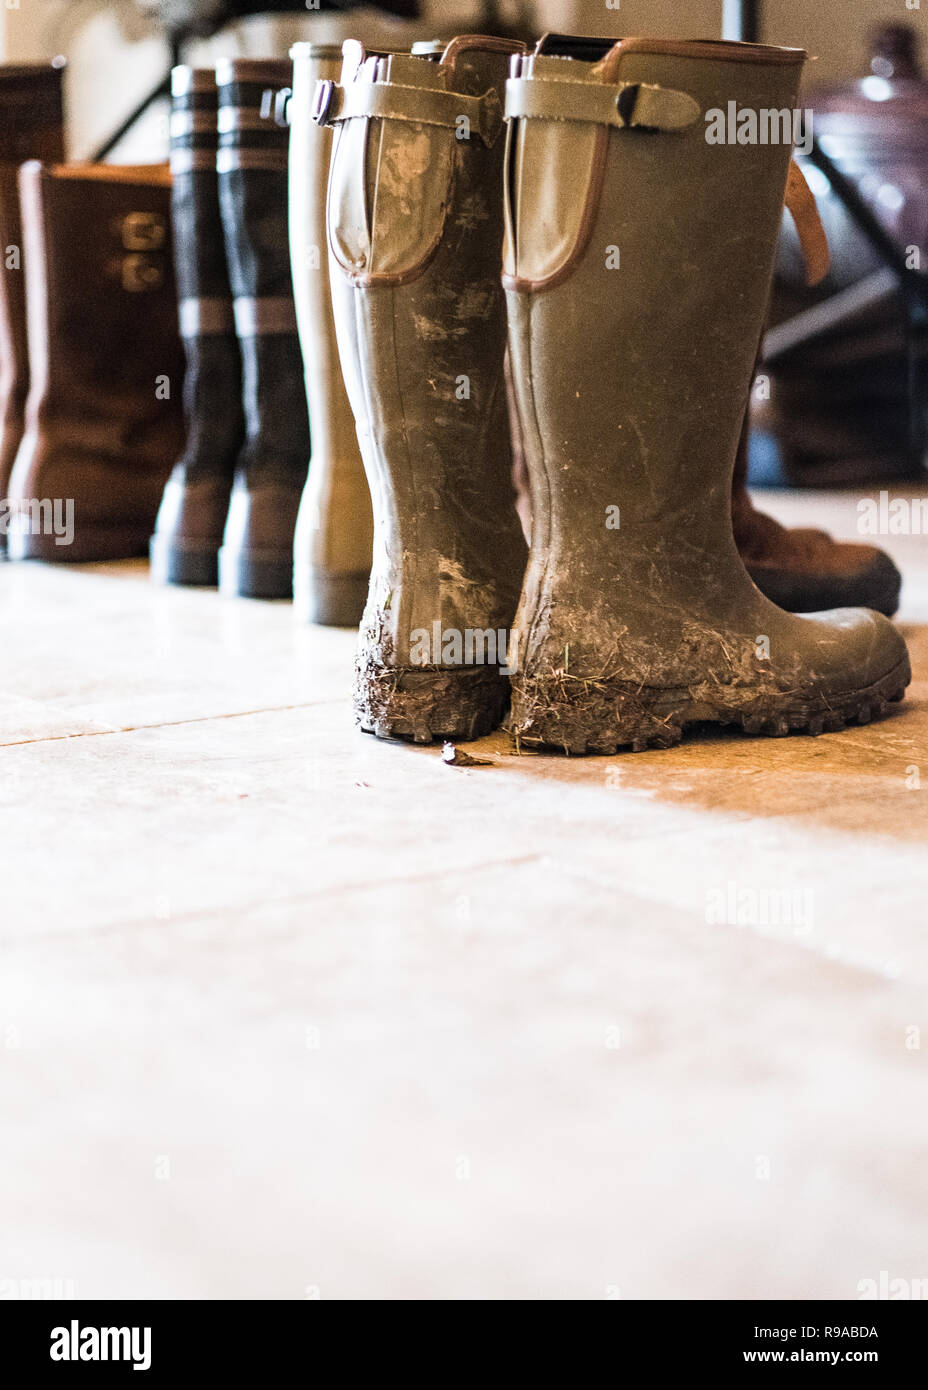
(103, 418)
(31, 127)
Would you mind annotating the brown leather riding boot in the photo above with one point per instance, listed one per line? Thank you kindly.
(803, 570)
(30, 128)
(103, 422)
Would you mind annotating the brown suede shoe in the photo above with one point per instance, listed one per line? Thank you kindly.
(805, 571)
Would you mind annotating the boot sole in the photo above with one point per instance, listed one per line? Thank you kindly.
(419, 705)
(330, 600)
(196, 566)
(88, 547)
(256, 573)
(581, 717)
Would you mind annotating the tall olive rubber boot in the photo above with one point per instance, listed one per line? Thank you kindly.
(638, 261)
(334, 530)
(414, 223)
(192, 517)
(256, 559)
(31, 127)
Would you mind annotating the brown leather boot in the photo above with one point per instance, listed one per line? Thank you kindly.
(30, 128)
(803, 570)
(103, 423)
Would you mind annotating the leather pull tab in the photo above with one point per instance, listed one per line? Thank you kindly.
(802, 207)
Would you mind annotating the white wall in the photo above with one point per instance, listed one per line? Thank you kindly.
(833, 31)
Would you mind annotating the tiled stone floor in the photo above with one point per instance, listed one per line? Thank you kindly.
(288, 1012)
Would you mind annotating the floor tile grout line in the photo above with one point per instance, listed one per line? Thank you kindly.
(208, 913)
(168, 723)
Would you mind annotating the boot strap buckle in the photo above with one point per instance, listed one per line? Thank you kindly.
(628, 105)
(325, 96)
(282, 107)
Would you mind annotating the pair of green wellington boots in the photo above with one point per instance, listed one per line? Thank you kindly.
(636, 259)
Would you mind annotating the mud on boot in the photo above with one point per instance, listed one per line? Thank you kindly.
(415, 231)
(638, 258)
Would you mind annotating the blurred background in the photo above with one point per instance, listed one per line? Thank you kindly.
(842, 395)
(117, 51)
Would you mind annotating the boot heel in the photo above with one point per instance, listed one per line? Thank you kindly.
(591, 717)
(331, 600)
(423, 704)
(88, 547)
(182, 564)
(256, 573)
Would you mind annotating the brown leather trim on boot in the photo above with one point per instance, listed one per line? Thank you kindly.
(488, 43)
(229, 70)
(609, 67)
(730, 50)
(803, 209)
(114, 173)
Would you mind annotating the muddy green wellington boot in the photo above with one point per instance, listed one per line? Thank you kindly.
(192, 516)
(31, 127)
(256, 559)
(334, 530)
(415, 227)
(638, 260)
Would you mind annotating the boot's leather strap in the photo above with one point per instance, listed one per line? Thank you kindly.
(256, 318)
(627, 105)
(802, 207)
(424, 105)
